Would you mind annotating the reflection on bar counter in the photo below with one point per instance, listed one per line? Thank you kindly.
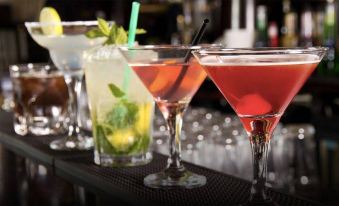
(218, 141)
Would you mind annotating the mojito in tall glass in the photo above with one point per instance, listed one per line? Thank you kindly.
(121, 109)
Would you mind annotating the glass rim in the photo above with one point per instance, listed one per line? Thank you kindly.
(261, 50)
(168, 46)
(17, 68)
(30, 65)
(64, 23)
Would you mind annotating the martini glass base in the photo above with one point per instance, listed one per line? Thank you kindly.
(72, 143)
(161, 180)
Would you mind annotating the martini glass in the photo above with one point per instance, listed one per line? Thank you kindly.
(66, 52)
(172, 76)
(259, 84)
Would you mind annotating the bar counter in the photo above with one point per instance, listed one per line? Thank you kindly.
(125, 185)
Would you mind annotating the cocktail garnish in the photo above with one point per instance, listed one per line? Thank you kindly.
(115, 34)
(116, 91)
(124, 112)
(116, 124)
(49, 15)
(253, 104)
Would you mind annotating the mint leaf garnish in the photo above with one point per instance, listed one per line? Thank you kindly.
(140, 31)
(103, 26)
(122, 117)
(115, 34)
(94, 33)
(116, 91)
(112, 34)
(101, 141)
(123, 114)
(123, 111)
(118, 117)
(121, 36)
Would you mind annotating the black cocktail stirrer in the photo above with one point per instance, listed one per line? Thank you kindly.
(182, 74)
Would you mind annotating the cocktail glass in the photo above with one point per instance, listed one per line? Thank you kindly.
(172, 76)
(66, 52)
(259, 84)
(122, 124)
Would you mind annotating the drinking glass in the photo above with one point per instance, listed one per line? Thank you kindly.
(122, 124)
(172, 76)
(66, 50)
(259, 84)
(40, 99)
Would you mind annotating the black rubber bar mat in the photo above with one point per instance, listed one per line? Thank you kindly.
(127, 185)
(34, 147)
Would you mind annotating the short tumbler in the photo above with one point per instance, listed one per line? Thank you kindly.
(40, 99)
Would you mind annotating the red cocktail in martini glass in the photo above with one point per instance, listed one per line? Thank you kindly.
(259, 84)
(172, 75)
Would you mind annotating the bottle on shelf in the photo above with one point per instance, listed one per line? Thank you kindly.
(318, 30)
(261, 23)
(306, 24)
(289, 34)
(328, 66)
(238, 36)
(273, 34)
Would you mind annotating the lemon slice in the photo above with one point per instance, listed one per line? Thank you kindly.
(122, 139)
(50, 17)
(143, 123)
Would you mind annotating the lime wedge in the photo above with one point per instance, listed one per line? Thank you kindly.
(51, 21)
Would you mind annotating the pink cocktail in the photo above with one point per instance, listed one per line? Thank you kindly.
(259, 84)
(172, 75)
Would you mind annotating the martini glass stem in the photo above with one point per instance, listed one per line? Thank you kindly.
(259, 145)
(74, 86)
(173, 116)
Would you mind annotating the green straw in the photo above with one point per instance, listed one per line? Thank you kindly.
(131, 38)
(133, 23)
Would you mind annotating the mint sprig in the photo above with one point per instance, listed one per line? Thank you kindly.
(115, 34)
(116, 92)
(103, 26)
(124, 112)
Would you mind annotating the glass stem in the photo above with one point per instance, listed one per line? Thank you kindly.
(74, 88)
(175, 168)
(259, 145)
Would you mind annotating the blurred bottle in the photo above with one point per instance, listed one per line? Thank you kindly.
(327, 67)
(261, 23)
(176, 38)
(306, 28)
(175, 25)
(239, 36)
(318, 29)
(185, 22)
(289, 35)
(273, 35)
(193, 14)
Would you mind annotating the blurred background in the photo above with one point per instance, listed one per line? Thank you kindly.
(305, 149)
